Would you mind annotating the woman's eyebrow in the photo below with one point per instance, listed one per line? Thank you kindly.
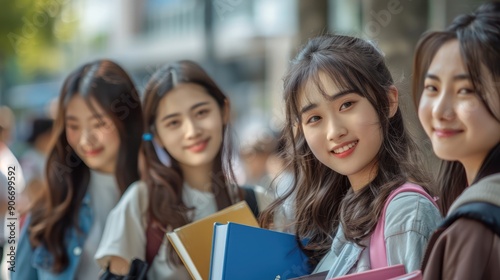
(334, 97)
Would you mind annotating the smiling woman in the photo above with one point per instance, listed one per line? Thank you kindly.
(457, 93)
(92, 162)
(186, 171)
(92, 134)
(349, 149)
(189, 126)
(342, 123)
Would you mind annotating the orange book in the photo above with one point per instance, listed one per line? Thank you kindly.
(193, 242)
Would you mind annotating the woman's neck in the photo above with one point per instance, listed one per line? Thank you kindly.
(483, 166)
(470, 171)
(363, 178)
(198, 177)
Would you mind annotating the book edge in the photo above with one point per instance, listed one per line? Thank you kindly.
(182, 252)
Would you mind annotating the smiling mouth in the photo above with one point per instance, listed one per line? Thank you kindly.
(345, 148)
(198, 147)
(445, 133)
(93, 152)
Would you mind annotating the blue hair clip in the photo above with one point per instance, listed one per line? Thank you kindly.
(147, 137)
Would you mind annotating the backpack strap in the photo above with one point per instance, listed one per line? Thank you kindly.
(251, 199)
(154, 239)
(378, 251)
(484, 212)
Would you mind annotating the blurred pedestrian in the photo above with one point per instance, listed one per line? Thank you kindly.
(34, 159)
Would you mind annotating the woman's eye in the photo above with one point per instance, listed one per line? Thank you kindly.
(202, 113)
(99, 125)
(346, 105)
(430, 88)
(313, 119)
(466, 91)
(71, 127)
(173, 124)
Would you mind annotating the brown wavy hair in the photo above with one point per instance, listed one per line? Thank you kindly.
(478, 35)
(323, 198)
(56, 210)
(165, 184)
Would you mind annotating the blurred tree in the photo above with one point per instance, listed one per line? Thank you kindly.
(11, 21)
(27, 38)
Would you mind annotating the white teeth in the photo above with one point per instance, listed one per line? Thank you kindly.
(345, 148)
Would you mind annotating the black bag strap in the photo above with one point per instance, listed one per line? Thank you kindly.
(138, 271)
(486, 213)
(251, 199)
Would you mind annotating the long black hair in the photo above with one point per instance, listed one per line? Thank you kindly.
(56, 210)
(478, 36)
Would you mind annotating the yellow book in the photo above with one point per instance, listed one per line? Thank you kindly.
(193, 242)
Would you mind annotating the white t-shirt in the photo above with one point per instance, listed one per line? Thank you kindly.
(104, 195)
(125, 232)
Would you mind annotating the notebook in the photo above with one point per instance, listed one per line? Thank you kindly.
(247, 253)
(193, 242)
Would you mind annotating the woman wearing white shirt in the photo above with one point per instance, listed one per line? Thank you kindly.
(185, 169)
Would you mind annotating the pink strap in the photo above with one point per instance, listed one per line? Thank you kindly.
(378, 253)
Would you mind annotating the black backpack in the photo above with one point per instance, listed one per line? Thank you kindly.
(486, 213)
(251, 199)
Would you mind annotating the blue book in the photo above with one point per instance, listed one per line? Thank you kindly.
(244, 252)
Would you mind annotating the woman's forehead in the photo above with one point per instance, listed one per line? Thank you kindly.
(319, 87)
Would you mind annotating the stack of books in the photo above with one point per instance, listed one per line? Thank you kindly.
(193, 242)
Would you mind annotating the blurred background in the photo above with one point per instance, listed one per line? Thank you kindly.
(245, 45)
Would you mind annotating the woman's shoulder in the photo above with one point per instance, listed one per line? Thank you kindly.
(411, 211)
(485, 190)
(411, 201)
(465, 249)
(136, 197)
(481, 238)
(136, 188)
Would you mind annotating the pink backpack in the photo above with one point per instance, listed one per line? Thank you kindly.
(378, 253)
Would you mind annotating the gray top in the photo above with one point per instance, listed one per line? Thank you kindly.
(104, 195)
(486, 190)
(410, 220)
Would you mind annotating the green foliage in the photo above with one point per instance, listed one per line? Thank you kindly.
(27, 35)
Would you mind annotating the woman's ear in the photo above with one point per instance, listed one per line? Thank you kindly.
(393, 100)
(226, 112)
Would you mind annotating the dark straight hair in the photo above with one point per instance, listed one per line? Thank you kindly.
(165, 184)
(56, 210)
(478, 36)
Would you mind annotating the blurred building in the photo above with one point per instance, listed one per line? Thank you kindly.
(245, 45)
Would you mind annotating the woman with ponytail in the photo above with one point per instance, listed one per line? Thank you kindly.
(185, 167)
